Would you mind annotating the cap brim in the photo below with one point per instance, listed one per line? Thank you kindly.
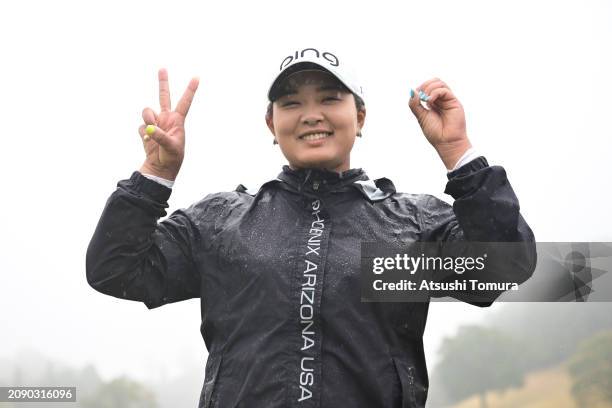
(293, 69)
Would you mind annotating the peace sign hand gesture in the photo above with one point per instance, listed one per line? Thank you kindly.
(163, 134)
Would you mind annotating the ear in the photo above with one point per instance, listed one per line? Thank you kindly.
(361, 118)
(270, 124)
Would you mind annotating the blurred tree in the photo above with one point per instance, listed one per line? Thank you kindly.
(120, 393)
(88, 380)
(591, 370)
(560, 327)
(478, 360)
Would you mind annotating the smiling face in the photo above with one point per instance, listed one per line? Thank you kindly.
(315, 121)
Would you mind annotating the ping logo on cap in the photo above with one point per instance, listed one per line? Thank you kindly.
(330, 58)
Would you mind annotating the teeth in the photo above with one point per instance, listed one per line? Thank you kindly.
(315, 136)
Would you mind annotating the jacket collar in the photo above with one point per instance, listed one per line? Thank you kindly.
(305, 180)
(315, 179)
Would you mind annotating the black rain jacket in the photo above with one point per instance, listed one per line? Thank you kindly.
(278, 275)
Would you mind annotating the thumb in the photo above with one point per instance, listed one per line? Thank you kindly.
(157, 134)
(415, 105)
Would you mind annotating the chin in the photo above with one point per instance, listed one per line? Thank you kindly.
(320, 163)
(318, 160)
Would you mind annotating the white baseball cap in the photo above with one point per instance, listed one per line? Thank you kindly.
(313, 59)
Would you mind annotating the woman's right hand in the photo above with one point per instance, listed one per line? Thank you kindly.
(165, 147)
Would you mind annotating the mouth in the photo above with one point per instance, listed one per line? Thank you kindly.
(315, 136)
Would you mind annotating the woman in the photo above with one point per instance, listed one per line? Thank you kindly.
(277, 269)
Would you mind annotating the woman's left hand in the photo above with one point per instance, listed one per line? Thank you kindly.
(443, 124)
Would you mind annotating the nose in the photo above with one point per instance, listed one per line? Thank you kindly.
(311, 121)
(312, 116)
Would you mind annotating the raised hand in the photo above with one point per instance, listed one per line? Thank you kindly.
(163, 133)
(443, 124)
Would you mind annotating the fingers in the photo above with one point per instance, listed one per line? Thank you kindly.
(164, 90)
(431, 84)
(185, 102)
(415, 106)
(142, 131)
(143, 134)
(440, 95)
(152, 132)
(435, 89)
(149, 116)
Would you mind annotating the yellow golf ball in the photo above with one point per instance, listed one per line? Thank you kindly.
(150, 130)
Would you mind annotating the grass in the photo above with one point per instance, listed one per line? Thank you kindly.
(542, 389)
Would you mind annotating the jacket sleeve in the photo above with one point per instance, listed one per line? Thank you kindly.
(485, 210)
(132, 256)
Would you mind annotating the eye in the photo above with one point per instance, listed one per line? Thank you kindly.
(327, 98)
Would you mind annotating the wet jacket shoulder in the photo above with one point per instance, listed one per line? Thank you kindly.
(133, 256)
(486, 210)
